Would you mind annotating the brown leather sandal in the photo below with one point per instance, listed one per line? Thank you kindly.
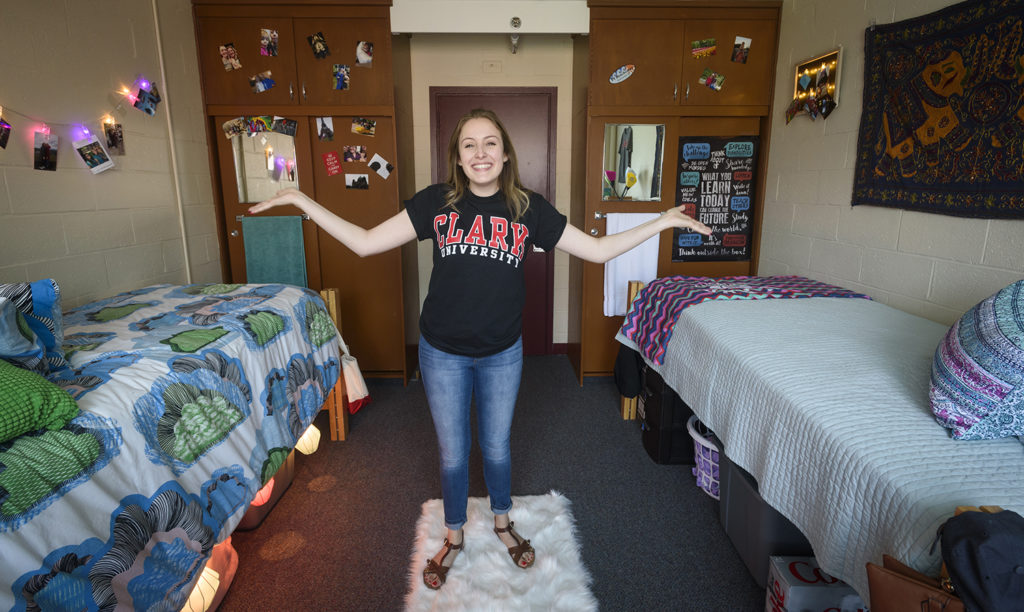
(439, 570)
(520, 549)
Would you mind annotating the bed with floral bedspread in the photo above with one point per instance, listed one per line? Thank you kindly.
(189, 399)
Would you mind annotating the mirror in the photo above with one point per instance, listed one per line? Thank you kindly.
(264, 164)
(632, 162)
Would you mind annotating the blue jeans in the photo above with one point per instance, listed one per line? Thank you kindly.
(450, 382)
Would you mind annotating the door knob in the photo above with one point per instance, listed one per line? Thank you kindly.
(593, 231)
(234, 233)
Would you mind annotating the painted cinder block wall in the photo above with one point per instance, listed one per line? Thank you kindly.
(935, 266)
(63, 63)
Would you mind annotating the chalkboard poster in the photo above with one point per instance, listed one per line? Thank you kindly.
(716, 187)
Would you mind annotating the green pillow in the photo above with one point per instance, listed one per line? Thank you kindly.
(29, 402)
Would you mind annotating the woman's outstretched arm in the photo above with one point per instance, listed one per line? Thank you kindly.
(599, 250)
(392, 233)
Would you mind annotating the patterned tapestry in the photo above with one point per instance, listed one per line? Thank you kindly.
(942, 128)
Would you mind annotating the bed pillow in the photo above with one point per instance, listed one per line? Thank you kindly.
(40, 303)
(18, 343)
(29, 402)
(977, 383)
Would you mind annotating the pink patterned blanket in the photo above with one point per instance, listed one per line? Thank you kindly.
(657, 306)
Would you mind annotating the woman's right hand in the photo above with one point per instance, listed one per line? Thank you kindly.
(285, 196)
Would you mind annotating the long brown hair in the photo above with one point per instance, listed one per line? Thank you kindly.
(517, 196)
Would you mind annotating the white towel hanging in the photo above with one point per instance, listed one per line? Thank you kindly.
(639, 263)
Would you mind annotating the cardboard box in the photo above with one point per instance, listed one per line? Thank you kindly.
(797, 584)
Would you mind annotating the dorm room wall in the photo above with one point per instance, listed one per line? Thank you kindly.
(935, 266)
(63, 63)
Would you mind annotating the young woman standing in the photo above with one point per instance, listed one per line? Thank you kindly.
(483, 223)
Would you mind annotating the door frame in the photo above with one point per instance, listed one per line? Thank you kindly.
(438, 158)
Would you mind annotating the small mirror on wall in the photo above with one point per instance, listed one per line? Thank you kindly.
(264, 164)
(632, 161)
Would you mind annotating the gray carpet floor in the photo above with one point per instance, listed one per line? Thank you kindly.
(341, 537)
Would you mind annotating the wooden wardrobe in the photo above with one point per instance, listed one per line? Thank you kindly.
(657, 38)
(305, 88)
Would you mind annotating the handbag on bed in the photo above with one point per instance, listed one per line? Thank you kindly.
(895, 587)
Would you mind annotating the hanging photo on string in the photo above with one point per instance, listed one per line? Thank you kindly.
(5, 133)
(92, 153)
(114, 134)
(45, 151)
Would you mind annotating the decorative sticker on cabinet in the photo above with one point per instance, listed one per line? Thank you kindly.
(703, 48)
(261, 82)
(325, 133)
(357, 181)
(366, 127)
(229, 55)
(284, 126)
(381, 166)
(332, 163)
(364, 53)
(319, 45)
(623, 73)
(712, 79)
(268, 42)
(740, 50)
(716, 187)
(354, 153)
(340, 76)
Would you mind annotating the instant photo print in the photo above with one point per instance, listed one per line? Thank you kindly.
(5, 133)
(357, 181)
(147, 99)
(319, 45)
(261, 82)
(364, 53)
(229, 56)
(114, 134)
(92, 153)
(340, 76)
(366, 127)
(325, 129)
(268, 42)
(45, 151)
(354, 153)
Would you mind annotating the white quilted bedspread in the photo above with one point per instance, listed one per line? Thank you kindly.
(825, 402)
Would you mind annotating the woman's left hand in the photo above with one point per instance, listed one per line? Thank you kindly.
(677, 218)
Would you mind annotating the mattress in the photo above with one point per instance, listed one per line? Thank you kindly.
(825, 402)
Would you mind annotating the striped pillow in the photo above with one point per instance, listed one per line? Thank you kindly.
(977, 383)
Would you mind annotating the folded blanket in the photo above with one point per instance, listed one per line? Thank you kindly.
(658, 305)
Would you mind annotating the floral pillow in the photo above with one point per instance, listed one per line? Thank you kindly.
(39, 304)
(977, 383)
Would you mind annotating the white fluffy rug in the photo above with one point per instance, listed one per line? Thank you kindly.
(484, 577)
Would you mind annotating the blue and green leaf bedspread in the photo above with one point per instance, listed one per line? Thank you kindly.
(190, 398)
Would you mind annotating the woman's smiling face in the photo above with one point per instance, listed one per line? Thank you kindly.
(481, 155)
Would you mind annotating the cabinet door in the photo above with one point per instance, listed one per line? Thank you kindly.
(368, 84)
(653, 47)
(745, 83)
(235, 205)
(236, 86)
(371, 287)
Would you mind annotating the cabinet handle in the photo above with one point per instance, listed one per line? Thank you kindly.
(593, 231)
(303, 91)
(687, 90)
(291, 90)
(675, 90)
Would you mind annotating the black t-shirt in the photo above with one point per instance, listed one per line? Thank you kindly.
(477, 286)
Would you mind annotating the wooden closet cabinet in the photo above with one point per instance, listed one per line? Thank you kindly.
(656, 37)
(370, 288)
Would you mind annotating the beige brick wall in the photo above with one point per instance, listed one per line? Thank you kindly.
(63, 64)
(935, 266)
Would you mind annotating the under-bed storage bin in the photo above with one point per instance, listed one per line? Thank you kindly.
(282, 480)
(663, 419)
(757, 530)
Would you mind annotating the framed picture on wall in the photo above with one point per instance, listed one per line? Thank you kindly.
(816, 85)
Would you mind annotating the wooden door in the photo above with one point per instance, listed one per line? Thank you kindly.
(653, 46)
(528, 114)
(370, 287)
(747, 83)
(368, 84)
(234, 208)
(222, 86)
